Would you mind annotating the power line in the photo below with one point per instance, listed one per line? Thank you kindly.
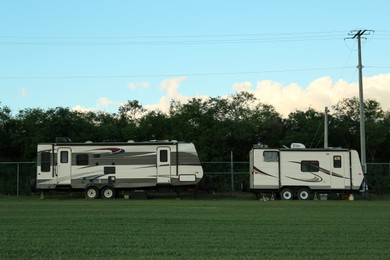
(175, 39)
(171, 36)
(165, 40)
(145, 43)
(173, 75)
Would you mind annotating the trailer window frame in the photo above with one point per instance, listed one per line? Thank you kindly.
(163, 155)
(64, 157)
(82, 159)
(271, 156)
(45, 161)
(337, 161)
(310, 166)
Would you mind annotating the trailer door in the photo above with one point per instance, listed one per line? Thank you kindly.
(163, 165)
(339, 169)
(64, 157)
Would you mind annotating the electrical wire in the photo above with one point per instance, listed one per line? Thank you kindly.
(173, 75)
(166, 40)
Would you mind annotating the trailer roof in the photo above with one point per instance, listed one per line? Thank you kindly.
(313, 149)
(330, 149)
(89, 143)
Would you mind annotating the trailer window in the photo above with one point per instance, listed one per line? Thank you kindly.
(310, 166)
(337, 161)
(82, 159)
(163, 155)
(109, 170)
(64, 157)
(45, 161)
(270, 156)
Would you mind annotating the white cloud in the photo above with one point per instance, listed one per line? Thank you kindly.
(378, 88)
(104, 102)
(320, 93)
(84, 109)
(243, 86)
(23, 92)
(171, 86)
(135, 85)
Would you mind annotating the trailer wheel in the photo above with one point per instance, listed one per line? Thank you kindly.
(92, 193)
(304, 194)
(286, 194)
(108, 193)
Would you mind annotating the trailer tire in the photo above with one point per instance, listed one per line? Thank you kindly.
(304, 194)
(92, 193)
(286, 194)
(108, 193)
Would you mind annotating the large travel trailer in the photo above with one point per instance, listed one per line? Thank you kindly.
(106, 168)
(300, 172)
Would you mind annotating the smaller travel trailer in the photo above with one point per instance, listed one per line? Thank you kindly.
(300, 172)
(103, 169)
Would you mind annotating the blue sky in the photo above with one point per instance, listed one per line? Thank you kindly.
(96, 55)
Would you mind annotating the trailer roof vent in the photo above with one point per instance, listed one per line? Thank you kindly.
(260, 145)
(63, 140)
(297, 146)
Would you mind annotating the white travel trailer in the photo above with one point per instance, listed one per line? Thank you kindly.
(299, 172)
(106, 168)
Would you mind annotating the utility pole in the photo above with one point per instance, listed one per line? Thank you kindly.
(357, 34)
(326, 128)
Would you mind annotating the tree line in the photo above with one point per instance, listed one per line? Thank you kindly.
(217, 126)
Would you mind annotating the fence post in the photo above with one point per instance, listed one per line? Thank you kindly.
(17, 179)
(232, 171)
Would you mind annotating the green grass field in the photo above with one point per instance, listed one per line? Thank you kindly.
(193, 228)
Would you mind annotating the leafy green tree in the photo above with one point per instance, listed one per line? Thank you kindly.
(31, 127)
(65, 122)
(305, 127)
(186, 119)
(223, 124)
(196, 122)
(384, 148)
(6, 122)
(376, 133)
(155, 125)
(132, 110)
(346, 125)
(216, 125)
(266, 125)
(107, 127)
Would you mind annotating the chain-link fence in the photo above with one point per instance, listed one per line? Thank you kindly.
(378, 178)
(16, 177)
(225, 176)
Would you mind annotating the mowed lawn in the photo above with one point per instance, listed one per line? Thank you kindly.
(193, 228)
